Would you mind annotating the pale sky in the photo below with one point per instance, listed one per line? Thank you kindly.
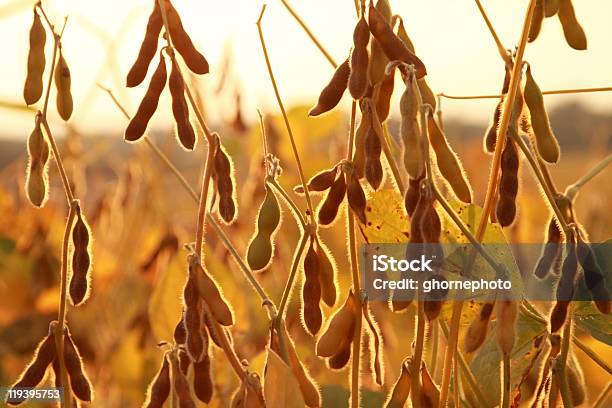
(449, 35)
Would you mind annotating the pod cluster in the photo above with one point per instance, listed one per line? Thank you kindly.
(564, 10)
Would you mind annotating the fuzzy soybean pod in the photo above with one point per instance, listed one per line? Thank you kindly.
(80, 281)
(37, 179)
(159, 390)
(180, 384)
(148, 47)
(180, 333)
(448, 162)
(192, 319)
(33, 88)
(202, 380)
(62, 84)
(552, 250)
(410, 130)
(507, 314)
(365, 123)
(329, 208)
(180, 110)
(546, 142)
(508, 184)
(373, 166)
(536, 21)
(551, 7)
(383, 100)
(319, 182)
(210, 292)
(311, 291)
(401, 389)
(79, 383)
(358, 77)
(430, 393)
(260, 250)
(378, 59)
(477, 331)
(225, 184)
(393, 47)
(593, 277)
(572, 30)
(340, 323)
(339, 360)
(327, 275)
(194, 60)
(35, 371)
(148, 105)
(356, 197)
(332, 93)
(412, 195)
(490, 138)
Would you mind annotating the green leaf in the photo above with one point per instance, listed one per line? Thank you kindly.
(281, 388)
(588, 318)
(387, 220)
(165, 305)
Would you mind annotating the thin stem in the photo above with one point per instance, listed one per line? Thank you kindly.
(603, 397)
(550, 92)
(292, 274)
(506, 381)
(356, 355)
(592, 355)
(61, 316)
(572, 190)
(397, 176)
(284, 113)
(294, 208)
(58, 159)
(435, 340)
(56, 46)
(500, 47)
(561, 362)
(312, 37)
(417, 358)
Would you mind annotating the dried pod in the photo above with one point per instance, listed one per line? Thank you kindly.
(180, 333)
(356, 197)
(552, 250)
(181, 41)
(192, 317)
(260, 250)
(148, 105)
(432, 306)
(507, 313)
(35, 371)
(311, 291)
(569, 272)
(80, 280)
(573, 31)
(410, 130)
(184, 360)
(147, 49)
(79, 383)
(383, 100)
(33, 88)
(429, 223)
(373, 169)
(212, 332)
(360, 135)
(416, 236)
(508, 184)
(393, 47)
(547, 145)
(401, 389)
(558, 315)
(491, 134)
(159, 389)
(209, 291)
(358, 77)
(378, 59)
(430, 394)
(320, 181)
(339, 360)
(329, 208)
(448, 162)
(202, 380)
(536, 20)
(327, 275)
(62, 84)
(376, 354)
(180, 110)
(593, 276)
(412, 195)
(477, 331)
(575, 381)
(551, 7)
(180, 385)
(37, 180)
(332, 93)
(225, 184)
(340, 324)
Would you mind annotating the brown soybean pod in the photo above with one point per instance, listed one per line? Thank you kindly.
(202, 380)
(35, 371)
(572, 30)
(148, 105)
(373, 166)
(401, 389)
(37, 180)
(33, 87)
(410, 130)
(194, 60)
(63, 83)
(360, 135)
(356, 197)
(547, 145)
(79, 383)
(210, 292)
(225, 184)
(508, 184)
(180, 110)
(81, 261)
(311, 291)
(416, 235)
(159, 390)
(448, 162)
(329, 208)
(211, 330)
(393, 47)
(507, 313)
(430, 394)
(192, 319)
(477, 331)
(332, 93)
(430, 225)
(181, 386)
(378, 59)
(358, 77)
(327, 277)
(339, 360)
(551, 7)
(383, 100)
(536, 21)
(180, 334)
(147, 49)
(412, 195)
(184, 360)
(320, 181)
(551, 251)
(340, 323)
(491, 133)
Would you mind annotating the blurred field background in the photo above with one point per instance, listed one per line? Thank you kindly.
(134, 204)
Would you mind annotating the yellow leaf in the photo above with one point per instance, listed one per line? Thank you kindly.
(281, 388)
(386, 218)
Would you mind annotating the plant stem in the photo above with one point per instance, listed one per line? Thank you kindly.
(397, 176)
(415, 388)
(603, 397)
(550, 92)
(434, 339)
(500, 47)
(591, 354)
(292, 274)
(284, 113)
(294, 209)
(572, 189)
(561, 361)
(356, 355)
(506, 381)
(312, 37)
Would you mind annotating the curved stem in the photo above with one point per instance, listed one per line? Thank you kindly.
(550, 92)
(58, 160)
(356, 354)
(506, 381)
(415, 388)
(591, 354)
(573, 189)
(294, 209)
(603, 397)
(500, 47)
(292, 274)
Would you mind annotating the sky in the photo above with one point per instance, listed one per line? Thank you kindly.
(450, 37)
